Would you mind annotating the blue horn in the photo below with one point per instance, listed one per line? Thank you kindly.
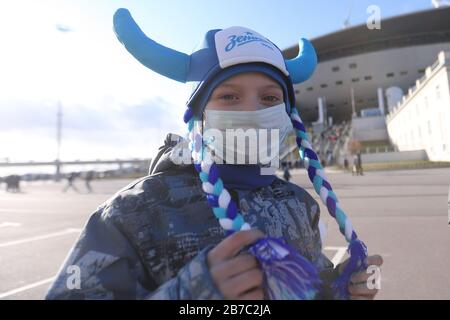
(167, 62)
(302, 67)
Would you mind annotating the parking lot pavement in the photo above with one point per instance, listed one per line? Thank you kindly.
(401, 215)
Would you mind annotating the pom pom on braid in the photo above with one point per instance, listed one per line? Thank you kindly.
(356, 248)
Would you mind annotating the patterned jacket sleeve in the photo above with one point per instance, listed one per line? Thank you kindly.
(109, 268)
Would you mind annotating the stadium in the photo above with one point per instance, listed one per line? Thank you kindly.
(364, 73)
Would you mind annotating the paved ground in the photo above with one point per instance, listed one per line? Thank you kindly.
(401, 215)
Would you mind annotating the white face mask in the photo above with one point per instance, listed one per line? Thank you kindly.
(247, 137)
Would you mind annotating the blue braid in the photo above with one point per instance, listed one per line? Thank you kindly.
(356, 248)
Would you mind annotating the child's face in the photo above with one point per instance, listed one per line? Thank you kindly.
(248, 91)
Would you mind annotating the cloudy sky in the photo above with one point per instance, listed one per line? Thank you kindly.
(112, 106)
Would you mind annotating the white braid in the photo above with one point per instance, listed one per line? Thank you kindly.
(246, 226)
(305, 144)
(323, 194)
(306, 163)
(207, 187)
(295, 117)
(226, 223)
(206, 165)
(224, 199)
(321, 174)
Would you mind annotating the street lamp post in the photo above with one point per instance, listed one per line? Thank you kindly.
(63, 29)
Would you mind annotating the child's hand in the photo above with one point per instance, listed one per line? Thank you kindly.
(237, 277)
(358, 287)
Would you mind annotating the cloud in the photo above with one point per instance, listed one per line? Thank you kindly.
(111, 129)
(148, 114)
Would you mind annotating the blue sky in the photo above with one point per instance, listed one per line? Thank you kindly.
(113, 106)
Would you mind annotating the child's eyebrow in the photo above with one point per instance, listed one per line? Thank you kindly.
(231, 85)
(272, 86)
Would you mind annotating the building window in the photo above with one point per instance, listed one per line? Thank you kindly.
(338, 83)
(421, 71)
(297, 91)
(355, 79)
(310, 89)
(352, 65)
(323, 85)
(403, 73)
(367, 78)
(335, 69)
(390, 74)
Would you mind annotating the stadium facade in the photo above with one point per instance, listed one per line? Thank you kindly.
(369, 75)
(394, 56)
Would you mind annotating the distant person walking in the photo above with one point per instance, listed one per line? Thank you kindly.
(346, 164)
(286, 173)
(88, 178)
(357, 165)
(359, 160)
(70, 179)
(13, 183)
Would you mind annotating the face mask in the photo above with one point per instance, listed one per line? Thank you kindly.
(247, 137)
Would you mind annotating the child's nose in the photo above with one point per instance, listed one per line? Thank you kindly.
(252, 104)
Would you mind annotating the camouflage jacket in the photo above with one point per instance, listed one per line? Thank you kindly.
(150, 240)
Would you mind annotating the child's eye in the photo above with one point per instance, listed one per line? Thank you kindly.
(228, 97)
(271, 98)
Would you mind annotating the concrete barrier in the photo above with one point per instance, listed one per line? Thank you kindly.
(415, 155)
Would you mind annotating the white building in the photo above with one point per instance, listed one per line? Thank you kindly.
(421, 121)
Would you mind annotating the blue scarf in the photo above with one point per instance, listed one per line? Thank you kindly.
(244, 177)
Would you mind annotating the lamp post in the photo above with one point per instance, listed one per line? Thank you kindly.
(63, 29)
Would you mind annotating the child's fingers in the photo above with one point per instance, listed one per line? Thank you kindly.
(360, 277)
(375, 259)
(232, 267)
(256, 294)
(361, 290)
(230, 246)
(241, 283)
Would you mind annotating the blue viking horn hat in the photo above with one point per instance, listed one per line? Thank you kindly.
(208, 59)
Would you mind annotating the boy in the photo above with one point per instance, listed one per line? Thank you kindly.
(158, 238)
